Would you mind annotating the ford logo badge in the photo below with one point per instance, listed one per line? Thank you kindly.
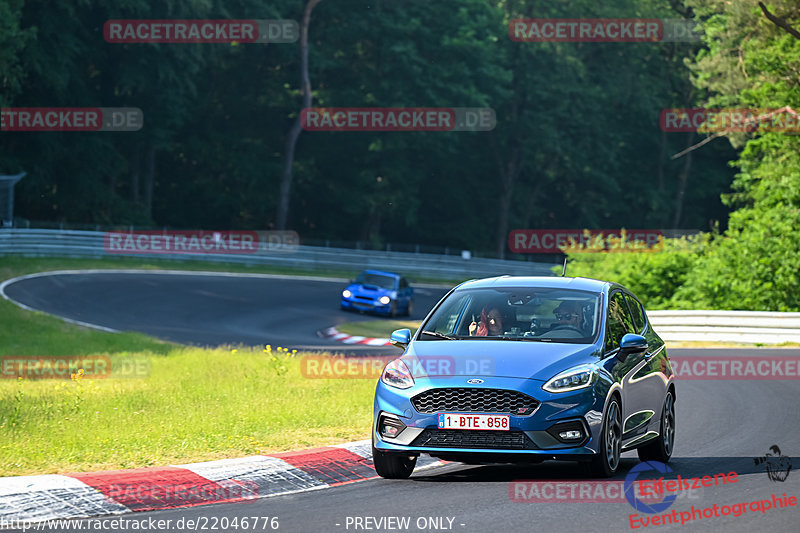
(474, 381)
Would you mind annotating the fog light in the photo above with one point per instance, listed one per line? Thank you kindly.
(570, 432)
(385, 300)
(390, 427)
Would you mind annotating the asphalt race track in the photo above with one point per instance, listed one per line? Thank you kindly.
(721, 425)
(205, 309)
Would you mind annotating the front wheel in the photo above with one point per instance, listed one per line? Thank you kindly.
(410, 308)
(393, 465)
(606, 462)
(660, 449)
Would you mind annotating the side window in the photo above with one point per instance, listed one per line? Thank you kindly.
(636, 313)
(403, 283)
(619, 321)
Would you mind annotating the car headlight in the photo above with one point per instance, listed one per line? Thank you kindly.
(384, 300)
(396, 374)
(575, 378)
(346, 293)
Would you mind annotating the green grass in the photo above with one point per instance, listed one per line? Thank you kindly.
(197, 405)
(377, 328)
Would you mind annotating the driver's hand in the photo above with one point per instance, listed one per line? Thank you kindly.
(472, 328)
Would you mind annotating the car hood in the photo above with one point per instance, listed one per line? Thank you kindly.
(367, 290)
(515, 359)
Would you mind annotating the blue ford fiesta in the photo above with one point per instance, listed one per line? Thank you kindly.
(380, 292)
(527, 369)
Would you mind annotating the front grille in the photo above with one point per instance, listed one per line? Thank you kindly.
(366, 298)
(472, 400)
(456, 438)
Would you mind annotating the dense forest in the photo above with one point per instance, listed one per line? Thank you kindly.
(750, 59)
(577, 142)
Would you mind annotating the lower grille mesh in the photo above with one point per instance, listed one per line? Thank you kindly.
(455, 438)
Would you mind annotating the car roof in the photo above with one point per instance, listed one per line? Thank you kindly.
(583, 284)
(382, 273)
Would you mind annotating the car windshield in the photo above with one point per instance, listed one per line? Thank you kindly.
(384, 282)
(517, 313)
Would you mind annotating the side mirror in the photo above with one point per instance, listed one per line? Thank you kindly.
(401, 337)
(632, 343)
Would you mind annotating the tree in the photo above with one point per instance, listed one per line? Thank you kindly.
(294, 133)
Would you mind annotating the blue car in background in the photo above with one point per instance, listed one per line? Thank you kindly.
(527, 369)
(379, 292)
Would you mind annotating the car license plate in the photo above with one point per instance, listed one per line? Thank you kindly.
(470, 421)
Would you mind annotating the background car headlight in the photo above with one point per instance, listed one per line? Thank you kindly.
(385, 300)
(346, 293)
(572, 379)
(396, 374)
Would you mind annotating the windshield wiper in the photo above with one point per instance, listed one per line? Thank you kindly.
(524, 339)
(438, 335)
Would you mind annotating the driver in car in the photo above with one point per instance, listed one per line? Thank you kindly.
(568, 316)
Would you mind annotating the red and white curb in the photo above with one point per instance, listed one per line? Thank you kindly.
(90, 494)
(332, 333)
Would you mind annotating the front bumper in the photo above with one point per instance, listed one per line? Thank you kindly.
(364, 305)
(528, 435)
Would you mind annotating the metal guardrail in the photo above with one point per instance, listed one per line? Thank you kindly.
(717, 326)
(752, 327)
(75, 243)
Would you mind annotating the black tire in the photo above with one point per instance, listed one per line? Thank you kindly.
(660, 449)
(606, 463)
(410, 308)
(393, 312)
(393, 465)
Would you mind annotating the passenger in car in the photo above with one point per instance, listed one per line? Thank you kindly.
(491, 324)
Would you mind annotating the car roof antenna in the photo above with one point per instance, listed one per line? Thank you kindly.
(564, 268)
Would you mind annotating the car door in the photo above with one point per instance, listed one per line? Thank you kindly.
(644, 382)
(628, 372)
(654, 375)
